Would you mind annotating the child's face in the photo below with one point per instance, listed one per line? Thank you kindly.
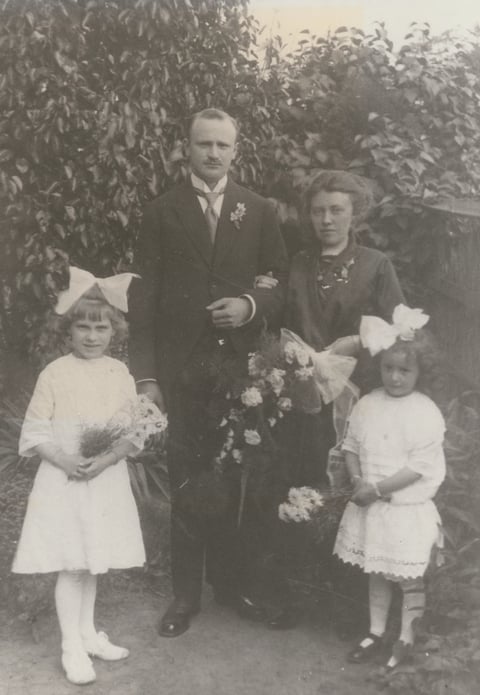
(89, 338)
(399, 373)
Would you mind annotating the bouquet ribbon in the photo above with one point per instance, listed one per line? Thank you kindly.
(331, 374)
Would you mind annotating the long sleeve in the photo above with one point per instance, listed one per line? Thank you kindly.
(352, 438)
(37, 426)
(273, 258)
(425, 443)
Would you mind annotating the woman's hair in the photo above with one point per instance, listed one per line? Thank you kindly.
(424, 350)
(93, 306)
(337, 181)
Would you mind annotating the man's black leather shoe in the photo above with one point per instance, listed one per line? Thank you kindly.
(285, 619)
(248, 609)
(243, 605)
(176, 619)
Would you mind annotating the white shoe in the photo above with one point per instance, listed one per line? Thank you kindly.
(77, 665)
(102, 648)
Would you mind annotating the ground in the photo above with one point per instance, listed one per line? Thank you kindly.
(220, 654)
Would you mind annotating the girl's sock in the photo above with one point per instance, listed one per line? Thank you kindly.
(68, 602)
(380, 598)
(87, 612)
(413, 607)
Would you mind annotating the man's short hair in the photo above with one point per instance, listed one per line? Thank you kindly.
(214, 115)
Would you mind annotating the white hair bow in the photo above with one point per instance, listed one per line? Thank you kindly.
(377, 335)
(113, 288)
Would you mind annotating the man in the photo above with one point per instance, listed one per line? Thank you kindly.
(196, 310)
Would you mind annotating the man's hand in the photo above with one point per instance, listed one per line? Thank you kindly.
(265, 282)
(152, 390)
(230, 312)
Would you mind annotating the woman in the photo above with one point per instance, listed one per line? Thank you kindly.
(332, 283)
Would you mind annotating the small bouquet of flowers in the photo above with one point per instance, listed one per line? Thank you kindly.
(139, 420)
(321, 510)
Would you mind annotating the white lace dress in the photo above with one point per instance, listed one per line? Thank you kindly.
(71, 524)
(394, 538)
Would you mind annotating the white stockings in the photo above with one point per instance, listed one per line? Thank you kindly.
(380, 598)
(75, 594)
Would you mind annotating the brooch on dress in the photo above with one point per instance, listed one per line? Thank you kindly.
(341, 274)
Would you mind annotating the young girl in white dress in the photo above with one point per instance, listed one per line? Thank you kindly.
(395, 459)
(81, 518)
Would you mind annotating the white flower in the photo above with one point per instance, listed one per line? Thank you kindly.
(255, 365)
(285, 404)
(289, 512)
(224, 422)
(304, 373)
(252, 437)
(276, 381)
(237, 455)
(305, 498)
(294, 352)
(272, 421)
(238, 214)
(251, 397)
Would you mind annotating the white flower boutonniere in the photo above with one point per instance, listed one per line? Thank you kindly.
(238, 214)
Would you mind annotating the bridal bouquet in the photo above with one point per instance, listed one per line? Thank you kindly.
(283, 375)
(139, 420)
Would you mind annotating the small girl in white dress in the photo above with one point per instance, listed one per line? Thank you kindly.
(395, 459)
(81, 518)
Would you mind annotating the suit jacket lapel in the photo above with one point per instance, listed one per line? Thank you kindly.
(191, 215)
(227, 232)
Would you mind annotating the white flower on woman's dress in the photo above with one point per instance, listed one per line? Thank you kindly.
(285, 404)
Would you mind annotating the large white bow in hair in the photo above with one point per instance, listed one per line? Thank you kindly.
(377, 335)
(113, 288)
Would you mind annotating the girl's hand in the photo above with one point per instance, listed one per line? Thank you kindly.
(93, 467)
(72, 465)
(265, 282)
(364, 494)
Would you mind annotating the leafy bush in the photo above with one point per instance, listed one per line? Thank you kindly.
(95, 101)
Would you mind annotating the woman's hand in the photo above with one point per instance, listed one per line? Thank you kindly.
(364, 494)
(265, 282)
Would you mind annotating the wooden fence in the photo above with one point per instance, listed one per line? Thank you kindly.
(455, 281)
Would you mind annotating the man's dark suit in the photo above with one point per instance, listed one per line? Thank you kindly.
(172, 340)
